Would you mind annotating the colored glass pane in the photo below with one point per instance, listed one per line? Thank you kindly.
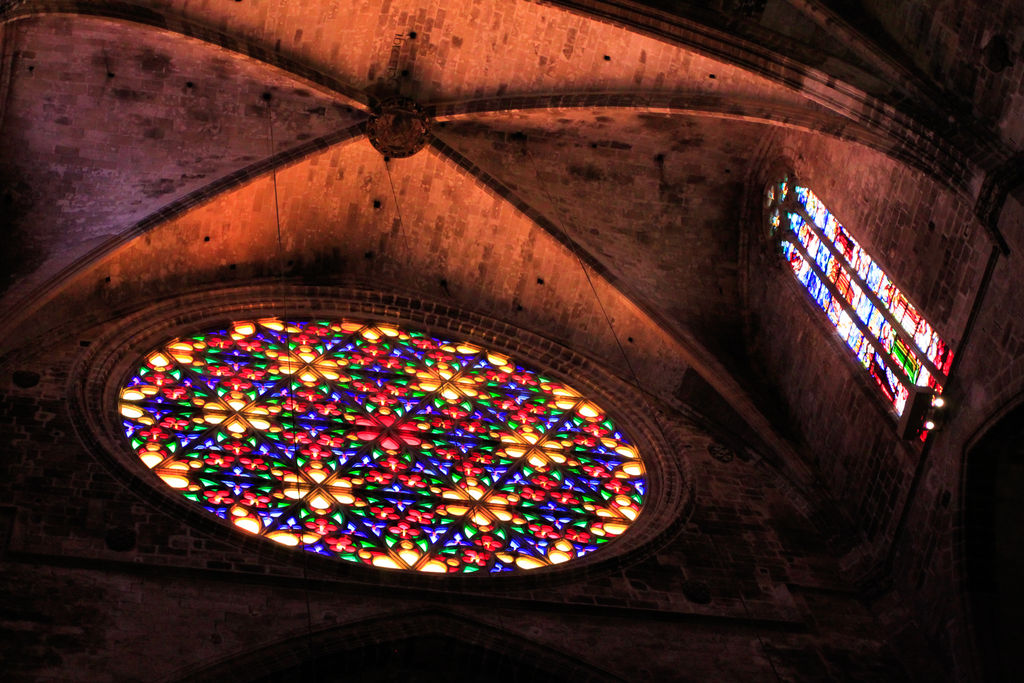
(845, 281)
(383, 446)
(925, 338)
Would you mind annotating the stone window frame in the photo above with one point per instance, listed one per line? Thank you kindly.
(784, 171)
(97, 375)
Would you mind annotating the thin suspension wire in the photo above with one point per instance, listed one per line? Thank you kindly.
(289, 387)
(401, 221)
(586, 273)
(398, 208)
(625, 357)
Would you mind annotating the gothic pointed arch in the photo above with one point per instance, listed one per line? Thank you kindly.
(993, 560)
(428, 645)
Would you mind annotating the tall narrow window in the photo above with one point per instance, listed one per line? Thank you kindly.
(886, 333)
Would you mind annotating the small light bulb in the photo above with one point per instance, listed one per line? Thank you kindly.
(929, 425)
(938, 401)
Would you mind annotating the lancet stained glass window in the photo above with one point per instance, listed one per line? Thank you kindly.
(887, 334)
(383, 446)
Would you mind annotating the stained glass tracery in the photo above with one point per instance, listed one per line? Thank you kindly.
(887, 334)
(382, 446)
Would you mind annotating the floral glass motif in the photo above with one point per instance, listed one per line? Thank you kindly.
(889, 337)
(383, 446)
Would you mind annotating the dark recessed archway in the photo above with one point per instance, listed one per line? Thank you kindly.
(425, 647)
(427, 658)
(993, 519)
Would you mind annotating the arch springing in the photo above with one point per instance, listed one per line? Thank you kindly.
(889, 336)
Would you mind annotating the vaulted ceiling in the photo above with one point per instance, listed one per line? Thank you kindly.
(591, 173)
(587, 175)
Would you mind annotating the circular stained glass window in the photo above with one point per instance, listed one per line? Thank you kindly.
(383, 446)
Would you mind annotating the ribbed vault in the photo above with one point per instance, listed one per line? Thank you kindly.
(612, 162)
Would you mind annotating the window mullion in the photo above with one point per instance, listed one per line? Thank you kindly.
(901, 332)
(899, 372)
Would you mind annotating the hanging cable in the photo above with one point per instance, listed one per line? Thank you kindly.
(559, 225)
(557, 222)
(288, 350)
(398, 208)
(401, 223)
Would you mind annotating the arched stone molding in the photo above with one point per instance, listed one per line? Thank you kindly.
(370, 643)
(98, 375)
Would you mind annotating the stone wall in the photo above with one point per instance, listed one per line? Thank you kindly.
(102, 579)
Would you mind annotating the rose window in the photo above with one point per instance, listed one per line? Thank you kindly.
(383, 446)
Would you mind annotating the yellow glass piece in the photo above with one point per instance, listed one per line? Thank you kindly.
(151, 460)
(181, 352)
(557, 556)
(242, 330)
(455, 494)
(175, 481)
(319, 502)
(536, 458)
(284, 538)
(245, 520)
(248, 524)
(158, 360)
(343, 496)
(174, 474)
(435, 567)
(409, 556)
(259, 423)
(615, 528)
(152, 455)
(501, 514)
(271, 324)
(474, 489)
(235, 426)
(633, 469)
(626, 451)
(588, 410)
(131, 412)
(386, 562)
(481, 517)
(525, 562)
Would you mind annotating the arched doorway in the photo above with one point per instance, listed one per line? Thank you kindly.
(421, 647)
(994, 520)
